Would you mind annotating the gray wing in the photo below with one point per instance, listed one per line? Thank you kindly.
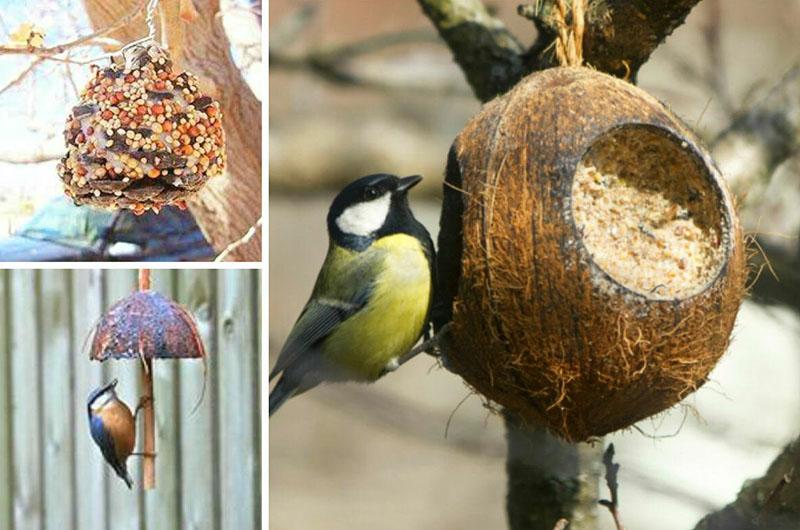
(318, 320)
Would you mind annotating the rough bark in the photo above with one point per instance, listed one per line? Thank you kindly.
(620, 34)
(231, 203)
(488, 54)
(771, 502)
(549, 479)
(619, 38)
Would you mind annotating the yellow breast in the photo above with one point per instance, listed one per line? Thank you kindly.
(394, 317)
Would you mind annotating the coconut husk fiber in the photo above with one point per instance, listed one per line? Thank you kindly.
(601, 259)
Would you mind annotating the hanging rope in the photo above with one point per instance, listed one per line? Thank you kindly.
(150, 19)
(569, 43)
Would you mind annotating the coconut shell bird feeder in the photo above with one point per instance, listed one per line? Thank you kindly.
(143, 327)
(601, 259)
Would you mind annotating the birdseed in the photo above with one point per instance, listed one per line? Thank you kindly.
(648, 214)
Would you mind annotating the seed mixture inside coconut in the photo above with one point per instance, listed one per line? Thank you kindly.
(648, 213)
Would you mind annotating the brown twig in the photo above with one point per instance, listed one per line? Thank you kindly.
(22, 75)
(331, 63)
(50, 52)
(251, 232)
(612, 471)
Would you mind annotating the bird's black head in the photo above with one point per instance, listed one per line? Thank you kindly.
(371, 207)
(110, 387)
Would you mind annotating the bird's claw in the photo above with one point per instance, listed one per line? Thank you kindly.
(143, 401)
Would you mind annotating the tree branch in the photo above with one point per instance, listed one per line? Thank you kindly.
(760, 139)
(620, 36)
(331, 63)
(549, 479)
(771, 502)
(51, 51)
(748, 153)
(488, 54)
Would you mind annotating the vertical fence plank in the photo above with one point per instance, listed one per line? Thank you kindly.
(125, 506)
(6, 485)
(256, 331)
(91, 473)
(57, 412)
(237, 377)
(198, 442)
(26, 402)
(163, 503)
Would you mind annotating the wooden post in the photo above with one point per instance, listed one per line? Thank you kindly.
(149, 468)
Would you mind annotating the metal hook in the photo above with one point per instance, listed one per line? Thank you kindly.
(150, 38)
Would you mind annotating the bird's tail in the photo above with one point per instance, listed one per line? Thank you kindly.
(282, 391)
(122, 471)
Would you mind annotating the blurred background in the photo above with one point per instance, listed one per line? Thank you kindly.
(358, 87)
(36, 96)
(208, 466)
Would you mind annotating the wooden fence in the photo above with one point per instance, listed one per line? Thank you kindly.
(208, 467)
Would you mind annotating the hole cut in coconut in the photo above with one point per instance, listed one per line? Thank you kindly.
(648, 212)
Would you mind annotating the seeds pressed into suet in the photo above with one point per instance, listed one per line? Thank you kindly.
(145, 121)
(648, 214)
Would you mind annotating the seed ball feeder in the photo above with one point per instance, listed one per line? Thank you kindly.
(601, 258)
(145, 326)
(142, 136)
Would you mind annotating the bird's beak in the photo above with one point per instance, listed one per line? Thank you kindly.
(406, 183)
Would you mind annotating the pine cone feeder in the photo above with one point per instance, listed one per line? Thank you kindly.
(602, 262)
(142, 137)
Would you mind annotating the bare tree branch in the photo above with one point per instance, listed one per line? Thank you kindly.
(22, 75)
(612, 481)
(760, 139)
(771, 502)
(549, 479)
(51, 52)
(619, 38)
(332, 63)
(749, 152)
(488, 54)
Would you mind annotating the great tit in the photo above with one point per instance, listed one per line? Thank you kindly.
(372, 299)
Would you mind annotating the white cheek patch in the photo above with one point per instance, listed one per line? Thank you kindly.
(364, 218)
(101, 402)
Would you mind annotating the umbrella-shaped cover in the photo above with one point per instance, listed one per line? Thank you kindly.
(146, 324)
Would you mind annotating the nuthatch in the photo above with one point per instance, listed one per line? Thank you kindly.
(113, 428)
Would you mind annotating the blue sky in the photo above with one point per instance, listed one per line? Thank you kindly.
(34, 111)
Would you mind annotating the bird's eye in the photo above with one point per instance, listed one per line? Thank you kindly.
(370, 193)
